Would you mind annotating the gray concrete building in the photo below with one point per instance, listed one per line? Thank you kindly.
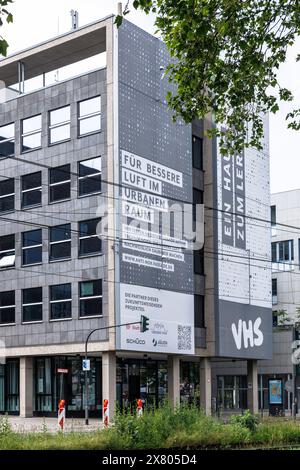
(80, 116)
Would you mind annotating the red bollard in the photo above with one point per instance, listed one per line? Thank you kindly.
(61, 414)
(139, 407)
(105, 413)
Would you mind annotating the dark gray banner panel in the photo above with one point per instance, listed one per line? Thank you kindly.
(243, 307)
(155, 173)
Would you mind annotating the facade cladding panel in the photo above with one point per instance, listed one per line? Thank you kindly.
(73, 211)
(150, 272)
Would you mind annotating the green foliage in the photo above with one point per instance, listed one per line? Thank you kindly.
(282, 317)
(5, 428)
(4, 13)
(185, 427)
(227, 54)
(246, 420)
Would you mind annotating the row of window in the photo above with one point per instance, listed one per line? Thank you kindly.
(60, 303)
(60, 300)
(89, 244)
(89, 182)
(89, 121)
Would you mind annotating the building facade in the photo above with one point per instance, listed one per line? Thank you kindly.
(89, 152)
(230, 379)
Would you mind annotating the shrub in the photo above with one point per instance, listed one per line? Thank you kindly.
(246, 420)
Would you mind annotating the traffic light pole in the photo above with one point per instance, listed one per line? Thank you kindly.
(86, 413)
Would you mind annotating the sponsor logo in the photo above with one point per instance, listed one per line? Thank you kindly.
(250, 333)
(159, 329)
(160, 343)
(135, 341)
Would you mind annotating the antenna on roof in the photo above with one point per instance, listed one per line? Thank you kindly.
(74, 16)
(120, 9)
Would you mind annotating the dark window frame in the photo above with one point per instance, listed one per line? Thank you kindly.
(8, 307)
(273, 215)
(200, 140)
(9, 140)
(90, 297)
(88, 116)
(60, 242)
(60, 301)
(57, 125)
(86, 237)
(87, 177)
(9, 195)
(31, 247)
(59, 183)
(31, 133)
(27, 304)
(31, 190)
(8, 252)
(199, 319)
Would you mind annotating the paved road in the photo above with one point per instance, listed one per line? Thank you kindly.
(40, 424)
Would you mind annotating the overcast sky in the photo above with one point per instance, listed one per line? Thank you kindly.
(37, 20)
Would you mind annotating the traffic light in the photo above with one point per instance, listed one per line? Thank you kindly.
(144, 323)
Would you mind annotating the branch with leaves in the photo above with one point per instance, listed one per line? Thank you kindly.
(5, 15)
(227, 56)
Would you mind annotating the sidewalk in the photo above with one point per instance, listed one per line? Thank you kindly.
(50, 424)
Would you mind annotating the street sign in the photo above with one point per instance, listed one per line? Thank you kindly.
(62, 371)
(86, 365)
(288, 386)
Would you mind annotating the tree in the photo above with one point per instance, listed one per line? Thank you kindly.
(7, 16)
(226, 59)
(282, 317)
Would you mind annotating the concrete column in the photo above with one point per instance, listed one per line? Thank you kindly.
(252, 391)
(174, 380)
(26, 387)
(205, 385)
(109, 381)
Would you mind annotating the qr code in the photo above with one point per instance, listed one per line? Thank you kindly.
(184, 334)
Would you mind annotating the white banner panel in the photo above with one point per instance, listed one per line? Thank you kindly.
(171, 320)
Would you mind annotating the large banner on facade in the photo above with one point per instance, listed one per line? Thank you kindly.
(243, 244)
(155, 270)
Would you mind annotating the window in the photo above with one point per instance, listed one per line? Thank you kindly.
(199, 311)
(197, 199)
(60, 183)
(7, 195)
(32, 189)
(32, 304)
(7, 140)
(7, 307)
(199, 261)
(89, 241)
(7, 251)
(31, 133)
(89, 116)
(60, 301)
(60, 242)
(60, 129)
(90, 298)
(89, 180)
(273, 215)
(274, 291)
(282, 251)
(32, 247)
(197, 152)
